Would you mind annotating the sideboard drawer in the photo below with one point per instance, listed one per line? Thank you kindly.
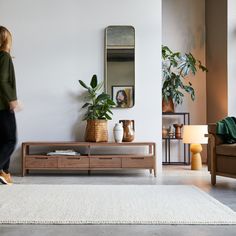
(137, 162)
(41, 162)
(105, 162)
(73, 162)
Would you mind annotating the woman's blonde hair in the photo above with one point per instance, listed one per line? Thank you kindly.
(5, 37)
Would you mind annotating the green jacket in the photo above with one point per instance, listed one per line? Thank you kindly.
(7, 81)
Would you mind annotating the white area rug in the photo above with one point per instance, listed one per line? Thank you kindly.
(110, 204)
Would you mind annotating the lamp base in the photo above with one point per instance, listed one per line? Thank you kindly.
(196, 163)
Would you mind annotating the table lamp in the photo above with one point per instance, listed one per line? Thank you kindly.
(195, 135)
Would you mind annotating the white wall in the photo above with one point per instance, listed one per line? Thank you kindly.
(183, 24)
(231, 57)
(57, 42)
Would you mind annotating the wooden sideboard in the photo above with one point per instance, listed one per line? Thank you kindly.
(34, 156)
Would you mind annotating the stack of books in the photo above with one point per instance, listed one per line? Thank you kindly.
(68, 152)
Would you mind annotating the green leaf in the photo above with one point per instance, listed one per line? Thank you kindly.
(83, 84)
(102, 97)
(94, 81)
(86, 104)
(108, 117)
(99, 86)
(110, 102)
(108, 110)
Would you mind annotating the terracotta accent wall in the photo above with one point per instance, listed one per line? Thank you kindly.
(216, 59)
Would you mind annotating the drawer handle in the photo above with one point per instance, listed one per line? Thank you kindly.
(137, 158)
(104, 158)
(44, 158)
(72, 158)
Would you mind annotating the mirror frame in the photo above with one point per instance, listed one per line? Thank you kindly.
(105, 63)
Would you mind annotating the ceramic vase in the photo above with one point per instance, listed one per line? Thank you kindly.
(164, 132)
(118, 132)
(178, 130)
(128, 130)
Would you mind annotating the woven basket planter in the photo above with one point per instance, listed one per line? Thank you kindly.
(96, 131)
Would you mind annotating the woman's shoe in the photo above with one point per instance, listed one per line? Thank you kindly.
(5, 178)
(8, 177)
(2, 178)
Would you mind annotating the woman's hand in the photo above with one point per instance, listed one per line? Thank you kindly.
(13, 105)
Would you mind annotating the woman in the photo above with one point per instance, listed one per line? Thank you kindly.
(121, 98)
(8, 103)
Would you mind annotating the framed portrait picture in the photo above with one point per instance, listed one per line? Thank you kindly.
(123, 96)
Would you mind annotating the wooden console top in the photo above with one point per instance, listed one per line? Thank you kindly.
(61, 143)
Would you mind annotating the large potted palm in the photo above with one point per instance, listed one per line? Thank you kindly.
(98, 107)
(176, 67)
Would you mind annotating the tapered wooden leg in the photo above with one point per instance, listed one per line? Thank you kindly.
(213, 179)
(150, 170)
(212, 144)
(155, 173)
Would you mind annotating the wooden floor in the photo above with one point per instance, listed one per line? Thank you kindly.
(224, 191)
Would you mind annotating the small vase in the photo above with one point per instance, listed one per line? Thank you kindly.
(118, 132)
(178, 130)
(128, 130)
(164, 132)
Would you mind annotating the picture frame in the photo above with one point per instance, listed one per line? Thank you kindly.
(123, 95)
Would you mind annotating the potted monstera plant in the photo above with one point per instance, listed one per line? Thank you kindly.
(176, 67)
(98, 105)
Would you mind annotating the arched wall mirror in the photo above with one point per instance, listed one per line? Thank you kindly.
(120, 65)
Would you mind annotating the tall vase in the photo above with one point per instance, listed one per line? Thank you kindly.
(178, 130)
(128, 126)
(118, 132)
(168, 106)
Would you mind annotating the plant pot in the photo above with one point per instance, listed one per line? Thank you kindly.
(168, 106)
(96, 131)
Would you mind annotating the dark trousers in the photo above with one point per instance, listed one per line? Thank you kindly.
(7, 137)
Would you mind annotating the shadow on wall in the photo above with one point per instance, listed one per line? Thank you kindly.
(78, 128)
(188, 13)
